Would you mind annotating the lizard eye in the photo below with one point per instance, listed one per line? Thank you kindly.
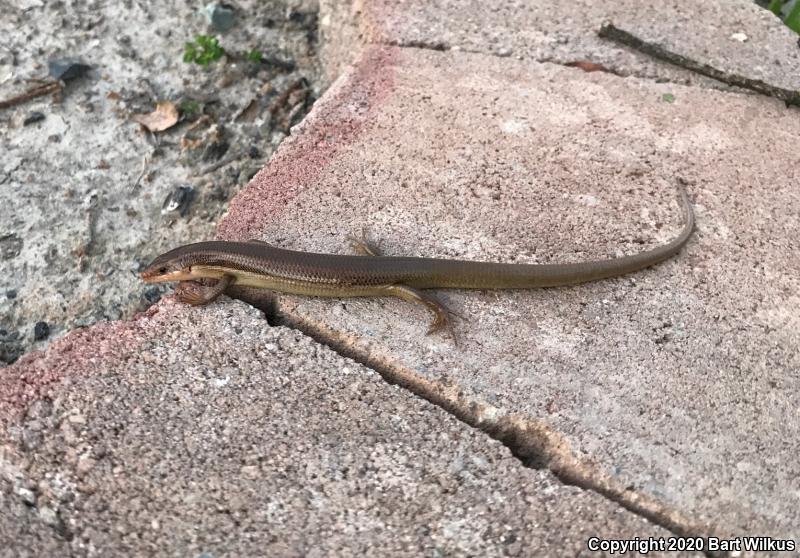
(162, 269)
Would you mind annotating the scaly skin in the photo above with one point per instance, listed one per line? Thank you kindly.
(257, 264)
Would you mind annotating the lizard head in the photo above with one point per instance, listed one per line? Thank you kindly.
(166, 268)
(185, 263)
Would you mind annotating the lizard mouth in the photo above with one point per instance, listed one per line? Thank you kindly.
(158, 276)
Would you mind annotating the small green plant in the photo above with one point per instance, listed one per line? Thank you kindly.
(203, 50)
(190, 108)
(668, 98)
(254, 56)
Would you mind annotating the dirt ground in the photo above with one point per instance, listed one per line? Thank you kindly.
(87, 194)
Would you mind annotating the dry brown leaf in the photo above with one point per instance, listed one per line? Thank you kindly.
(189, 143)
(587, 66)
(165, 116)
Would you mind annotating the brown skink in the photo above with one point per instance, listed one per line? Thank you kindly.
(258, 264)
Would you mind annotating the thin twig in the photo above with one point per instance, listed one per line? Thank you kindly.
(610, 31)
(231, 157)
(281, 99)
(38, 91)
(145, 163)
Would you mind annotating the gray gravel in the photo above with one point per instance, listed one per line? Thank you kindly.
(83, 188)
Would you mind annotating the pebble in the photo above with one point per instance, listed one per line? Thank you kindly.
(41, 331)
(66, 69)
(178, 201)
(33, 117)
(221, 17)
(27, 496)
(152, 294)
(49, 515)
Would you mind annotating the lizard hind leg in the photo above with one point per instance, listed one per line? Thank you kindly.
(441, 314)
(363, 246)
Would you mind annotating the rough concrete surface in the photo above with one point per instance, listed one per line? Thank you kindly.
(670, 396)
(84, 192)
(709, 32)
(680, 381)
(193, 432)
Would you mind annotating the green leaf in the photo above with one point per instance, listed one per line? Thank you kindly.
(203, 50)
(668, 98)
(793, 18)
(775, 7)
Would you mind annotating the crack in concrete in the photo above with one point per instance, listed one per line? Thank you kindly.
(713, 84)
(425, 45)
(536, 444)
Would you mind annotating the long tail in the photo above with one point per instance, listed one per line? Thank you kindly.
(463, 274)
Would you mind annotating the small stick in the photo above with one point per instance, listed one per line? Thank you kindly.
(610, 31)
(231, 157)
(38, 91)
(145, 163)
(283, 97)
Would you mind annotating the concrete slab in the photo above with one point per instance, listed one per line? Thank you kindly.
(680, 382)
(204, 432)
(736, 36)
